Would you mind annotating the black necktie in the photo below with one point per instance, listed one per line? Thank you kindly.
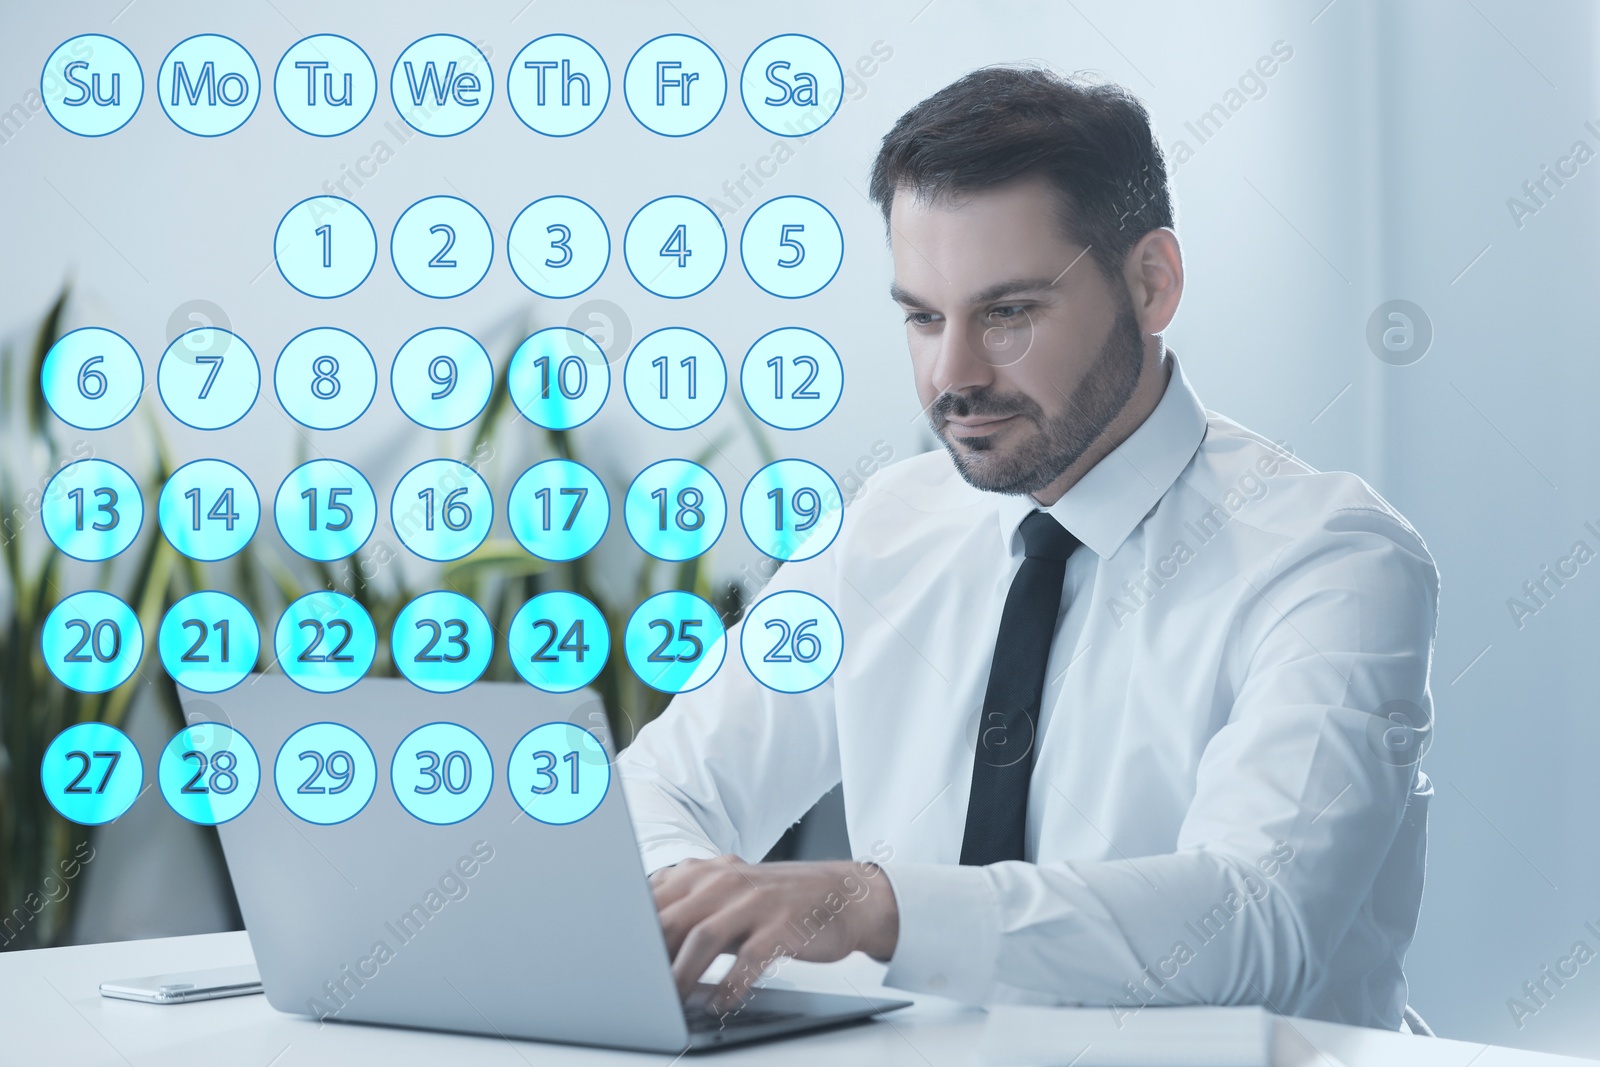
(997, 808)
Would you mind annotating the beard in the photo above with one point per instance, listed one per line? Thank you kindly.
(1054, 443)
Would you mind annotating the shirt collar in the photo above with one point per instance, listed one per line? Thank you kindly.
(1107, 504)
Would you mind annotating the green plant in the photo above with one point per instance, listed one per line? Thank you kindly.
(500, 576)
(34, 706)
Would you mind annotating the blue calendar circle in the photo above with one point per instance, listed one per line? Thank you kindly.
(209, 773)
(791, 641)
(442, 246)
(91, 773)
(558, 378)
(208, 85)
(325, 641)
(209, 642)
(442, 773)
(675, 85)
(325, 378)
(91, 85)
(675, 246)
(791, 509)
(91, 378)
(558, 85)
(442, 378)
(675, 641)
(559, 509)
(558, 773)
(325, 773)
(792, 246)
(92, 509)
(325, 247)
(325, 509)
(91, 641)
(675, 378)
(791, 378)
(442, 509)
(559, 641)
(441, 641)
(675, 509)
(208, 509)
(441, 85)
(792, 85)
(325, 85)
(558, 246)
(208, 378)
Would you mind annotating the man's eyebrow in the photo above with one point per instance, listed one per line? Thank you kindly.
(993, 292)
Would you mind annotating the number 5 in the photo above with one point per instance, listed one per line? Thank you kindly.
(786, 240)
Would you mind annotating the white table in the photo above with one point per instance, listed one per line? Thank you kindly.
(51, 1012)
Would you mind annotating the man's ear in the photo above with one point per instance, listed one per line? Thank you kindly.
(1153, 271)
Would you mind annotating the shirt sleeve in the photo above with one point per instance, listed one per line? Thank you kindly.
(727, 767)
(1298, 799)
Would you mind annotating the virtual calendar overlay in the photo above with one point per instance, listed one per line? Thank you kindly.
(441, 378)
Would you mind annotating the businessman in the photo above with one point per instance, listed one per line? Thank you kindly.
(1131, 700)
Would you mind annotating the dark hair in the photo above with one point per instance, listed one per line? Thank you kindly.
(1092, 141)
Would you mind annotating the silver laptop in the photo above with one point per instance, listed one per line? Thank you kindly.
(498, 924)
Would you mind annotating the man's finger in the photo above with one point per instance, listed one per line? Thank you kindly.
(757, 953)
(723, 930)
(683, 914)
(673, 884)
(702, 887)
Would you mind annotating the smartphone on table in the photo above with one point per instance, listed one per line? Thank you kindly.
(186, 986)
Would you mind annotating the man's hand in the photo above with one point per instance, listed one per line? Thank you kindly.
(760, 911)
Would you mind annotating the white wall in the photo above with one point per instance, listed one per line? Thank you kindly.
(1492, 445)
(1374, 165)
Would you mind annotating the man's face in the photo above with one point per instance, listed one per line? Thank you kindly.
(1023, 352)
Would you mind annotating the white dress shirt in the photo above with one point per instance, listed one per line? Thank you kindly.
(1223, 808)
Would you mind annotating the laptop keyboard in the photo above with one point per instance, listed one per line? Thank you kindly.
(701, 1018)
